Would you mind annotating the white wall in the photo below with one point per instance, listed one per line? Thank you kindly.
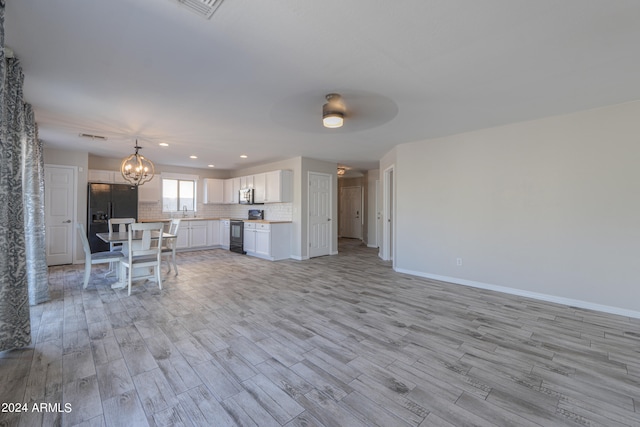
(548, 208)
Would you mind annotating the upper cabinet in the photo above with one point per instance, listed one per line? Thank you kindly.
(150, 191)
(259, 187)
(108, 177)
(246, 182)
(278, 186)
(231, 188)
(269, 187)
(213, 191)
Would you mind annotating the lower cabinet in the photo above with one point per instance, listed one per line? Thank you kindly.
(268, 241)
(213, 233)
(196, 234)
(249, 239)
(263, 243)
(271, 241)
(225, 230)
(182, 241)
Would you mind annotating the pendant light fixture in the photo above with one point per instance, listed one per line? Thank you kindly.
(333, 111)
(136, 169)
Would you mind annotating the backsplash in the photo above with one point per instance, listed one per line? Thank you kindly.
(272, 211)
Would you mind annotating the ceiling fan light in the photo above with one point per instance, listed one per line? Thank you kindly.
(333, 120)
(333, 111)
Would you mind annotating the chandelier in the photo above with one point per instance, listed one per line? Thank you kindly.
(136, 169)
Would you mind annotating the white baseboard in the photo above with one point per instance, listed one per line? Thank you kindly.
(535, 295)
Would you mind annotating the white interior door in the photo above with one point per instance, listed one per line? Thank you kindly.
(59, 204)
(351, 209)
(319, 214)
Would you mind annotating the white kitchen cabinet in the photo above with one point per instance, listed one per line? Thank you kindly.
(119, 179)
(182, 241)
(213, 191)
(259, 187)
(268, 241)
(231, 188)
(249, 241)
(95, 175)
(246, 182)
(263, 243)
(213, 231)
(225, 230)
(108, 177)
(192, 234)
(278, 186)
(197, 234)
(151, 191)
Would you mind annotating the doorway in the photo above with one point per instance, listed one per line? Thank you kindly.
(351, 212)
(388, 201)
(319, 231)
(378, 204)
(60, 206)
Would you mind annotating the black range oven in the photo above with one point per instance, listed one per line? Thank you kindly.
(236, 238)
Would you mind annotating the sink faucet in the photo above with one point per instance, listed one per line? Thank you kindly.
(184, 210)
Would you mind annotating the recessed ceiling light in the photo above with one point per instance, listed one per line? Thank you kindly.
(163, 144)
(243, 156)
(211, 166)
(193, 157)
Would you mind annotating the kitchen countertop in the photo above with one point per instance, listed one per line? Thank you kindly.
(190, 218)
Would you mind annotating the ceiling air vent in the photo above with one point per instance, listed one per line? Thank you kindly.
(90, 136)
(203, 8)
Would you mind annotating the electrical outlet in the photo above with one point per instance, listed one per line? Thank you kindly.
(459, 262)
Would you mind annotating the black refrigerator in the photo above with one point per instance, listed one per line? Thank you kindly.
(108, 201)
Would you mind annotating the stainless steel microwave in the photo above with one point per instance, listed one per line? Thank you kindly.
(246, 196)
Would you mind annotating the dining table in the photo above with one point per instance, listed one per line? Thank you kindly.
(123, 238)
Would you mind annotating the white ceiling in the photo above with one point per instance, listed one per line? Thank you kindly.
(252, 79)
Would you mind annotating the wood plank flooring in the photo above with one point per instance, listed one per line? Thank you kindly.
(333, 341)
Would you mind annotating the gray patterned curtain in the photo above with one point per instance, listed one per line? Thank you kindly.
(33, 181)
(15, 328)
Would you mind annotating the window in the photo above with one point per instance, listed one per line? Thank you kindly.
(178, 194)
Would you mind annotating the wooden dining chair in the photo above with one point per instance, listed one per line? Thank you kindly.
(141, 253)
(118, 225)
(111, 257)
(169, 248)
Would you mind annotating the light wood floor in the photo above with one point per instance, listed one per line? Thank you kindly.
(333, 341)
